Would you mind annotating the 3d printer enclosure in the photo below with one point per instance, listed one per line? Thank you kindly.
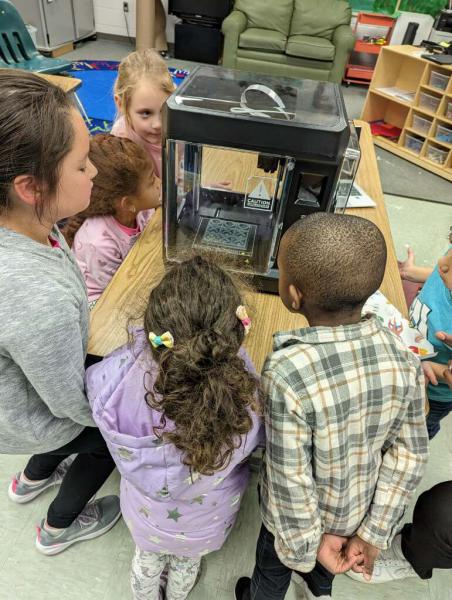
(314, 146)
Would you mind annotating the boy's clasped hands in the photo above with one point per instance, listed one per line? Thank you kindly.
(340, 554)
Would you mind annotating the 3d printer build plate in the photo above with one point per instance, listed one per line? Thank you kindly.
(231, 236)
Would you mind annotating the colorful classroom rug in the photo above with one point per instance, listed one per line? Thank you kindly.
(96, 91)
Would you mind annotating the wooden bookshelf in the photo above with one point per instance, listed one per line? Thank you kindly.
(402, 67)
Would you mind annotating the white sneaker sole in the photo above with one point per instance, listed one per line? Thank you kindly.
(18, 499)
(359, 577)
(400, 576)
(57, 548)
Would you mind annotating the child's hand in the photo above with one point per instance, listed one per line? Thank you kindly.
(446, 338)
(437, 371)
(409, 271)
(225, 184)
(406, 267)
(447, 374)
(364, 555)
(431, 371)
(332, 556)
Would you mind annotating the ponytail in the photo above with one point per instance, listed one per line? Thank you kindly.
(202, 386)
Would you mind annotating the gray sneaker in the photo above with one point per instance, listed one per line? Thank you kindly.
(20, 492)
(95, 519)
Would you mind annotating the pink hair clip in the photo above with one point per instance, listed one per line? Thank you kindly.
(242, 316)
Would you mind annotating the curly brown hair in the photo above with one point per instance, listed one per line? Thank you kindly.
(122, 167)
(202, 384)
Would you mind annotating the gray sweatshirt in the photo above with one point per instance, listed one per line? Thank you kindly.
(43, 339)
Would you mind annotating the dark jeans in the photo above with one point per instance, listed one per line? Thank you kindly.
(427, 541)
(271, 578)
(437, 411)
(85, 476)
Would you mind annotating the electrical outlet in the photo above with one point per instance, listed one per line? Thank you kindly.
(125, 7)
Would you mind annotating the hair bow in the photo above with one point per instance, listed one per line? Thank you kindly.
(242, 315)
(166, 339)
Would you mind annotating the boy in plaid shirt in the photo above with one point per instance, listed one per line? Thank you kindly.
(345, 423)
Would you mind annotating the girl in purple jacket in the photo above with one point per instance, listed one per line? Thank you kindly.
(179, 412)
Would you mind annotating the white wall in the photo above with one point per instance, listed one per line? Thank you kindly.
(109, 18)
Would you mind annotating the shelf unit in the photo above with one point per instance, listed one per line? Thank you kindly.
(362, 60)
(402, 67)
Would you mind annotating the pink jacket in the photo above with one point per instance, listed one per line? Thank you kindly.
(122, 130)
(100, 246)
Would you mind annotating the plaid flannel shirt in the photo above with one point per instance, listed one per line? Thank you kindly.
(346, 437)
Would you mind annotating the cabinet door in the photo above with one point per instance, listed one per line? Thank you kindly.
(59, 21)
(83, 17)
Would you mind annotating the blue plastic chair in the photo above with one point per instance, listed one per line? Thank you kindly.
(17, 50)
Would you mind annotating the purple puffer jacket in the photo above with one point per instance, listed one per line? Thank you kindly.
(166, 509)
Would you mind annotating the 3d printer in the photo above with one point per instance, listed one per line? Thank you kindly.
(246, 155)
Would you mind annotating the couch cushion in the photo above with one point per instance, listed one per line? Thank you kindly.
(307, 46)
(319, 18)
(264, 57)
(267, 14)
(263, 39)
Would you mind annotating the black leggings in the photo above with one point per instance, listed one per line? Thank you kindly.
(427, 541)
(85, 476)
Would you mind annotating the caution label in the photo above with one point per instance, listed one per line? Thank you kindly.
(261, 196)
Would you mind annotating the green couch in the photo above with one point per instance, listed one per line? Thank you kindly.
(294, 38)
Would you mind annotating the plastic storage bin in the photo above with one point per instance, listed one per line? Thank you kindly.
(439, 80)
(421, 124)
(413, 143)
(444, 134)
(449, 110)
(436, 155)
(429, 102)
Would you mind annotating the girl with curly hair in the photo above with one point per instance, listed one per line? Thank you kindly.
(179, 411)
(124, 193)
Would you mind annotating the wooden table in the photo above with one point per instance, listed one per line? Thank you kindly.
(67, 84)
(124, 299)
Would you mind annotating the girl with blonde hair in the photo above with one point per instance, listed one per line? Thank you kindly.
(143, 85)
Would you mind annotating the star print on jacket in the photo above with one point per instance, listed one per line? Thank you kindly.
(174, 514)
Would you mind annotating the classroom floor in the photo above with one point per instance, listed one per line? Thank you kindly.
(99, 569)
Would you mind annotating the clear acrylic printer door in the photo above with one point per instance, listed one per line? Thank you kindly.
(348, 171)
(224, 200)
